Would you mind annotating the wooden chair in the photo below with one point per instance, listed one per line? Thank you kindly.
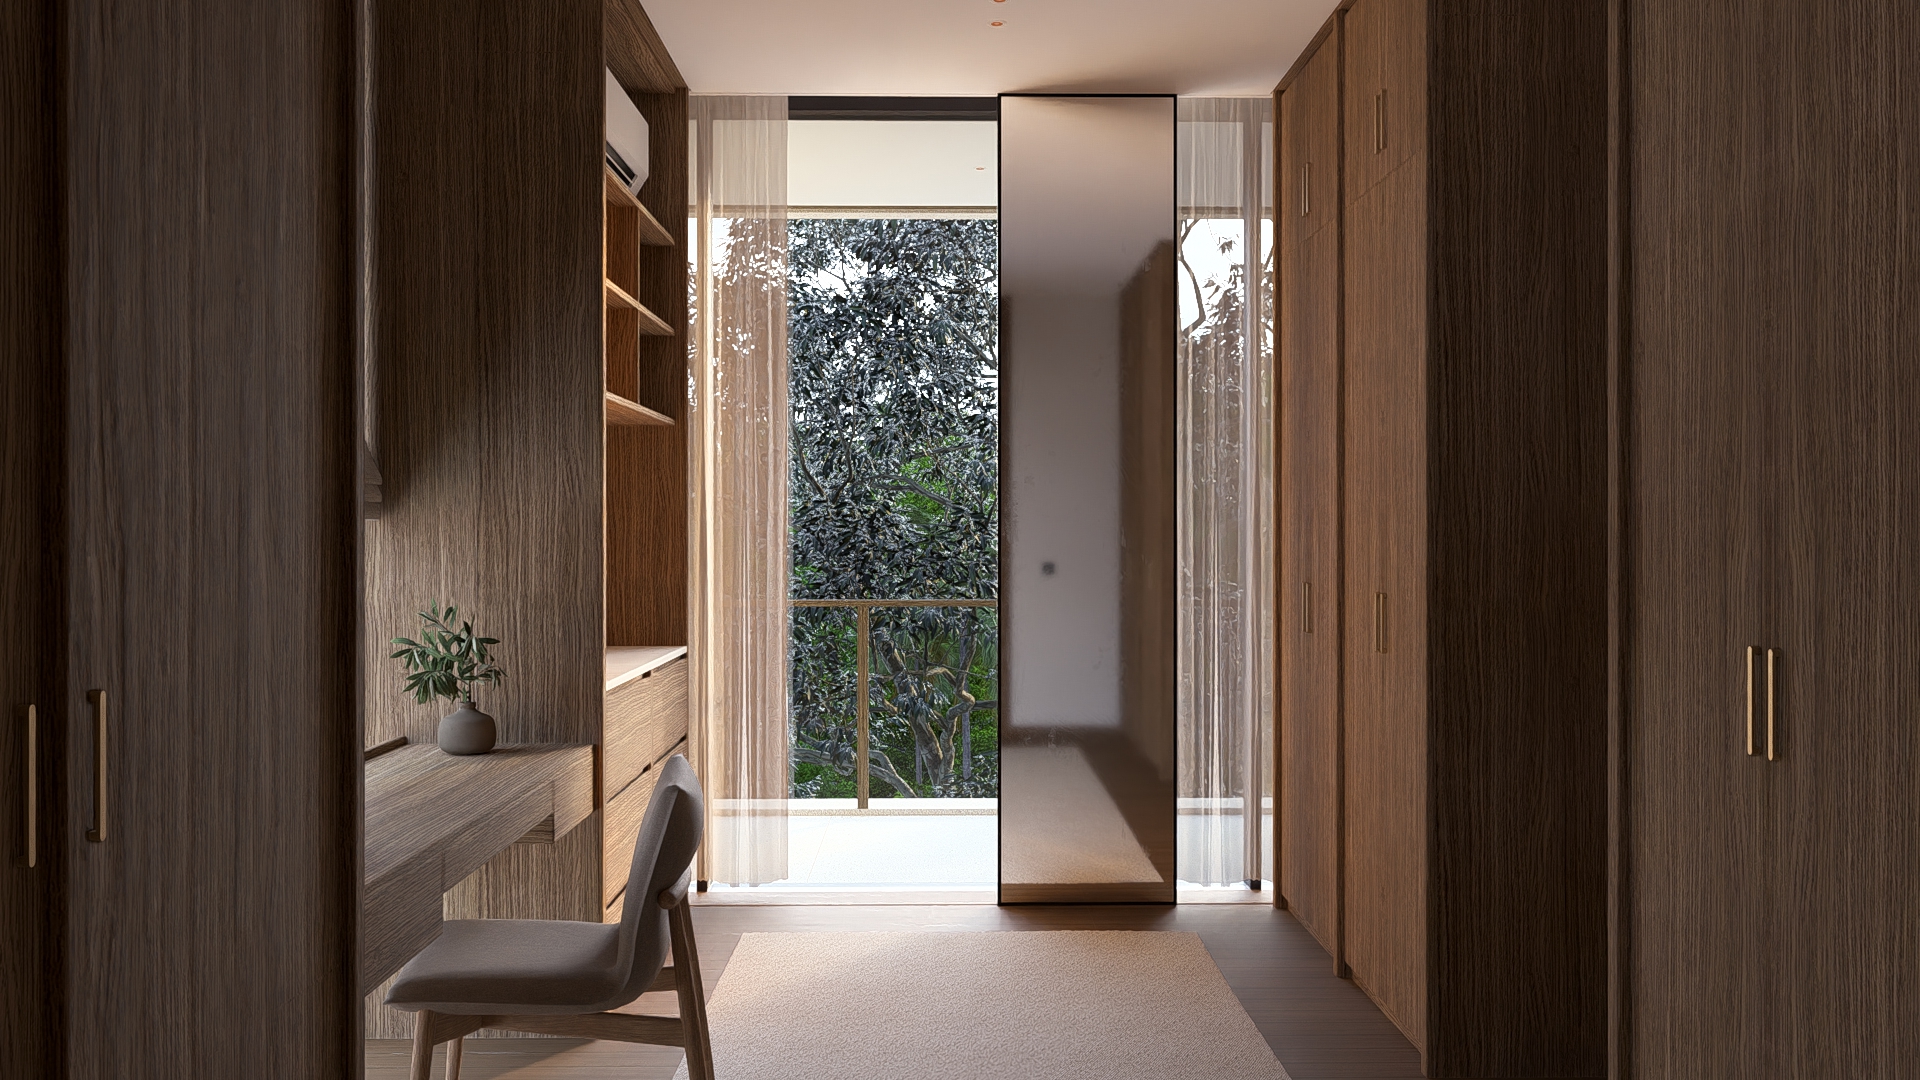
(551, 977)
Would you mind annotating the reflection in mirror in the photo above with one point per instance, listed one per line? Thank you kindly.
(1088, 316)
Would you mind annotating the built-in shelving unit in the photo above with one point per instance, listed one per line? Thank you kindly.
(650, 324)
(652, 233)
(626, 413)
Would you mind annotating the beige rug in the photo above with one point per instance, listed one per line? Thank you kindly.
(1032, 1005)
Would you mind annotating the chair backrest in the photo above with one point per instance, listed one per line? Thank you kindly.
(662, 855)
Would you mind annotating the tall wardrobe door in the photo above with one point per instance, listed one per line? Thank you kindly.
(1385, 101)
(1702, 552)
(1385, 590)
(1309, 581)
(1846, 783)
(30, 544)
(214, 518)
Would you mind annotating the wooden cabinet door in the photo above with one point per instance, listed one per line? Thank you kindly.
(1844, 428)
(1702, 553)
(1385, 594)
(1308, 622)
(212, 513)
(1385, 96)
(31, 543)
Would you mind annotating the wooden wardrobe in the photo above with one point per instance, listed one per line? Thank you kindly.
(1442, 523)
(179, 540)
(1768, 537)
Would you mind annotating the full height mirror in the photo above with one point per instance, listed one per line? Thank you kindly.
(1088, 316)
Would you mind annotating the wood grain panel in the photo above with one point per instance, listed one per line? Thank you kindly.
(489, 333)
(1308, 604)
(1385, 537)
(212, 456)
(623, 814)
(1701, 551)
(645, 718)
(646, 469)
(1773, 504)
(635, 52)
(1386, 53)
(32, 540)
(1515, 535)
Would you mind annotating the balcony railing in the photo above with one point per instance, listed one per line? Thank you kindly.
(863, 636)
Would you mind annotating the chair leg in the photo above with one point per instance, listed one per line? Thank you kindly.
(422, 1046)
(693, 998)
(453, 1057)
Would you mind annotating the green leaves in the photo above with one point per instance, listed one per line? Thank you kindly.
(446, 662)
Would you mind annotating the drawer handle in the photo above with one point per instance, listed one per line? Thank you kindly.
(1749, 701)
(32, 789)
(1771, 685)
(98, 834)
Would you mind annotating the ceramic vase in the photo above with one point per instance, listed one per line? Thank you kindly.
(466, 730)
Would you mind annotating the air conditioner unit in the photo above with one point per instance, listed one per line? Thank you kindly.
(626, 137)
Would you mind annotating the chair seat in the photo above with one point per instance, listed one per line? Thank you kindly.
(503, 966)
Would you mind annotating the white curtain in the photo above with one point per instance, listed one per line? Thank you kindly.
(738, 487)
(1225, 518)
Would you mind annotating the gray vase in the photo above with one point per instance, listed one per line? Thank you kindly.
(466, 730)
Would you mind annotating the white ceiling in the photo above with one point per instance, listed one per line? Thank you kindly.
(948, 47)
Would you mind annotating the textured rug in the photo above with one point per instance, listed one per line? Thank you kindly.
(1033, 1005)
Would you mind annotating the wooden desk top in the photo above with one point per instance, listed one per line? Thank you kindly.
(432, 819)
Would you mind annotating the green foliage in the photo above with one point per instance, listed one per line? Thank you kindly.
(445, 662)
(894, 398)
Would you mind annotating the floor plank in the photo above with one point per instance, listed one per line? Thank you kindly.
(1320, 1027)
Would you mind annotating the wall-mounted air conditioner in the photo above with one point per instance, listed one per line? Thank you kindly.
(626, 136)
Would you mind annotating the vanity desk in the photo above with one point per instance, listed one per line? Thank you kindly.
(432, 819)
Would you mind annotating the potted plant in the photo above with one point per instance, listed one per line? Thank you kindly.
(447, 663)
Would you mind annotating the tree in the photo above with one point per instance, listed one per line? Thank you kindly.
(893, 394)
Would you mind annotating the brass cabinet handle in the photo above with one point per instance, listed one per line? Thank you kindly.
(1380, 622)
(98, 834)
(32, 789)
(1380, 121)
(1306, 188)
(1749, 701)
(1306, 607)
(1770, 697)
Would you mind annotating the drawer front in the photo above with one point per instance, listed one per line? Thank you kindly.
(619, 828)
(645, 718)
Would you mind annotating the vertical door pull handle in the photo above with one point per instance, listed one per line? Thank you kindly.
(1306, 188)
(1749, 701)
(1306, 607)
(31, 849)
(1380, 121)
(98, 834)
(1771, 685)
(1380, 622)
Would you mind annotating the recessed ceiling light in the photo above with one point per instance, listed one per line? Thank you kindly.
(997, 22)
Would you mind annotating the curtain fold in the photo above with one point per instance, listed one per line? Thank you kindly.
(738, 482)
(1224, 191)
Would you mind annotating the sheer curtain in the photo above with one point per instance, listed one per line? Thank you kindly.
(1225, 518)
(738, 482)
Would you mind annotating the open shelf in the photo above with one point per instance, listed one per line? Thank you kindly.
(650, 324)
(650, 230)
(627, 413)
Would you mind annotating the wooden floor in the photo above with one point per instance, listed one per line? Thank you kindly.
(1318, 1025)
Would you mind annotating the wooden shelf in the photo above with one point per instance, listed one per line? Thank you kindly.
(651, 325)
(626, 413)
(651, 231)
